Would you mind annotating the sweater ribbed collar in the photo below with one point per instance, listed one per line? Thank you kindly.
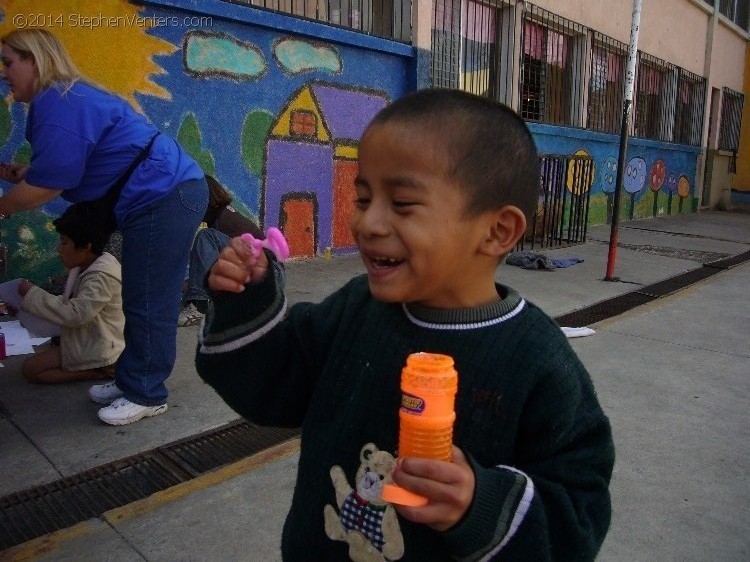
(510, 304)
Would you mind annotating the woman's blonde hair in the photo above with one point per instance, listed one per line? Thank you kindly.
(53, 62)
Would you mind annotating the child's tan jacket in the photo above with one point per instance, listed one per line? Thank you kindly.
(90, 318)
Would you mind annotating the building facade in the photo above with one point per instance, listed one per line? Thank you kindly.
(271, 96)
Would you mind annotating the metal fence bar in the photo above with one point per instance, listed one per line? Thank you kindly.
(561, 216)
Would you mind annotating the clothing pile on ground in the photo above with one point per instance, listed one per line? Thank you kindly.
(532, 260)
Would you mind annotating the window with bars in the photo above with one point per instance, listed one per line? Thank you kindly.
(472, 46)
(689, 107)
(736, 11)
(656, 85)
(494, 51)
(551, 68)
(384, 18)
(607, 84)
(446, 44)
(731, 119)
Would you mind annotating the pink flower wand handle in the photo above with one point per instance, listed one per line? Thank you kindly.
(274, 241)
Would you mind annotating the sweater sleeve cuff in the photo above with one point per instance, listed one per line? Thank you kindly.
(502, 498)
(238, 316)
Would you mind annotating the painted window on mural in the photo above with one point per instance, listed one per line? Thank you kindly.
(303, 124)
(607, 84)
(551, 68)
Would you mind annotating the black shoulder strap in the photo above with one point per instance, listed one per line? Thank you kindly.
(114, 192)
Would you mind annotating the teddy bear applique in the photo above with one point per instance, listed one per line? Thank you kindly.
(364, 521)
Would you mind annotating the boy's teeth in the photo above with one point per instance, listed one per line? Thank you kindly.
(386, 261)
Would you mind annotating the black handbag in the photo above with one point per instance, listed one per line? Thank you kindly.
(104, 208)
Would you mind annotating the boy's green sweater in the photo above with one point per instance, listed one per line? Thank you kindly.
(527, 417)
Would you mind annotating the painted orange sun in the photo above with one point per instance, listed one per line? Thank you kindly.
(119, 55)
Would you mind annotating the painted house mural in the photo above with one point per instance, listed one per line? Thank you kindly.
(225, 85)
(311, 163)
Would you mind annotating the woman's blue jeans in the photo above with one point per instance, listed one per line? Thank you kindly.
(156, 244)
(206, 248)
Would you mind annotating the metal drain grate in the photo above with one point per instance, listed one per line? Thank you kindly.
(603, 310)
(676, 283)
(618, 305)
(35, 512)
(730, 262)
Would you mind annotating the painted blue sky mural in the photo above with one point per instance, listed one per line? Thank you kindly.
(220, 104)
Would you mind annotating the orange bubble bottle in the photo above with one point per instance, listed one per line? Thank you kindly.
(428, 385)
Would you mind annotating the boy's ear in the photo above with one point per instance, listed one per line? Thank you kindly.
(507, 225)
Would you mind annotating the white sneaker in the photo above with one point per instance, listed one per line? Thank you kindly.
(105, 393)
(189, 316)
(122, 412)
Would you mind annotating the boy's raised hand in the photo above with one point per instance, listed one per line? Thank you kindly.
(449, 487)
(236, 267)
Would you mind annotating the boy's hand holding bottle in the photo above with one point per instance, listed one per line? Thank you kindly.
(434, 483)
(447, 486)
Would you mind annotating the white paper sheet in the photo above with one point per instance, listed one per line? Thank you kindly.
(37, 327)
(17, 340)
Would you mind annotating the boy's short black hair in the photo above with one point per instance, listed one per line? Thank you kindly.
(493, 153)
(83, 227)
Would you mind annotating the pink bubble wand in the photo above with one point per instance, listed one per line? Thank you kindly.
(274, 241)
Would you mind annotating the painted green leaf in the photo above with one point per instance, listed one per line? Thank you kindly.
(23, 154)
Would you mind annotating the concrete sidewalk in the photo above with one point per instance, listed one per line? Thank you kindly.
(672, 376)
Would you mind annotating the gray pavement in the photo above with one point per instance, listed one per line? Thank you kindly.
(672, 375)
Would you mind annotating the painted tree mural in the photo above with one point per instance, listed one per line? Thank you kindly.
(189, 136)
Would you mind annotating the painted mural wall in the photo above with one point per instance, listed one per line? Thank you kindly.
(274, 108)
(258, 99)
(659, 177)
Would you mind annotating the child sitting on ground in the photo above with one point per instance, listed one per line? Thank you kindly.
(89, 312)
(446, 180)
